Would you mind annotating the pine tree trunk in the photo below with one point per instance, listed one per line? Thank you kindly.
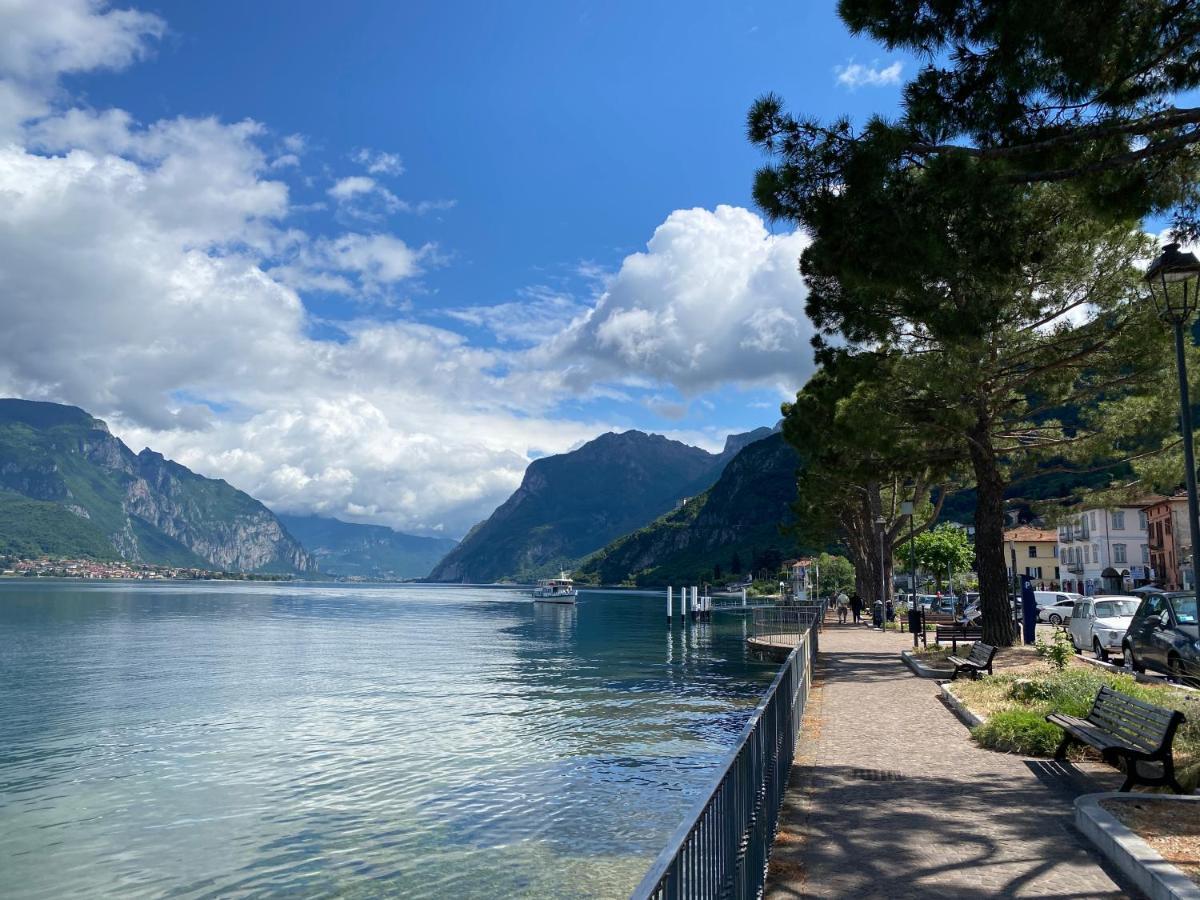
(989, 539)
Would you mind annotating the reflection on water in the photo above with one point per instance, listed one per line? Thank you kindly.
(212, 739)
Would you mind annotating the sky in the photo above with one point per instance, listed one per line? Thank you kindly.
(369, 260)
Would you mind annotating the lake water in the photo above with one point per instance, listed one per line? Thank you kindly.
(218, 739)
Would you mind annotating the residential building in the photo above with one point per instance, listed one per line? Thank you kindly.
(1033, 552)
(1170, 543)
(1106, 551)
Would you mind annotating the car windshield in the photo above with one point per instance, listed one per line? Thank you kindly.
(1111, 609)
(1185, 610)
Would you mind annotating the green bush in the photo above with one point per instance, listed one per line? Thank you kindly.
(1023, 731)
(1059, 652)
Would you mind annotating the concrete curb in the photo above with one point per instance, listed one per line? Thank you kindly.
(920, 669)
(970, 719)
(1142, 864)
(1138, 676)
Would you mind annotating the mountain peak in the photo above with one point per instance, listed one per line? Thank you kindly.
(41, 414)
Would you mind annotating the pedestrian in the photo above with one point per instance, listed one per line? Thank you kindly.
(856, 607)
(891, 611)
(843, 606)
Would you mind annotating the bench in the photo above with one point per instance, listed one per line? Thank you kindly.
(1121, 727)
(933, 618)
(957, 632)
(978, 660)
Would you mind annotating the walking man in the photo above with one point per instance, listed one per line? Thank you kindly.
(856, 607)
(843, 606)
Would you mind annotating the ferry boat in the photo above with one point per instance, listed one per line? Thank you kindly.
(555, 590)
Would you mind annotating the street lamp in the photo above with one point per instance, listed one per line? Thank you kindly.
(1174, 280)
(907, 508)
(880, 522)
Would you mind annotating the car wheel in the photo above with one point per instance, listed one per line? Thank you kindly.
(1055, 619)
(1100, 652)
(1177, 672)
(1131, 660)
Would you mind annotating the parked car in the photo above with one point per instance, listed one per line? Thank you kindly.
(1054, 598)
(1100, 623)
(1058, 613)
(1164, 636)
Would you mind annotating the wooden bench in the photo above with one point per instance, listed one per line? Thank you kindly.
(957, 632)
(1121, 727)
(978, 660)
(932, 618)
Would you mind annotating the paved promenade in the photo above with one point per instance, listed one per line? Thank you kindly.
(890, 798)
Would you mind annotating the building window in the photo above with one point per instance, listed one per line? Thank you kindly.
(1092, 519)
(1118, 520)
(1141, 520)
(1095, 553)
(1145, 553)
(1118, 553)
(1033, 551)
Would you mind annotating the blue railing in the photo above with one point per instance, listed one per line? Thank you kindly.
(723, 846)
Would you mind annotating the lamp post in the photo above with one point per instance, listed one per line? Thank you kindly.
(1174, 280)
(914, 609)
(880, 522)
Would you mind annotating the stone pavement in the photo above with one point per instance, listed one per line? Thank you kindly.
(890, 797)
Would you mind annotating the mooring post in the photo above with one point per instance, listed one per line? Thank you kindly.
(669, 601)
(695, 601)
(743, 596)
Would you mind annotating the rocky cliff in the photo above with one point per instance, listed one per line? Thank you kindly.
(738, 524)
(149, 508)
(571, 504)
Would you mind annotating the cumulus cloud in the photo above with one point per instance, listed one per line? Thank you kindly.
(714, 299)
(153, 275)
(855, 75)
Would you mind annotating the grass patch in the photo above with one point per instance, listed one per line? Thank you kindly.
(931, 655)
(1015, 706)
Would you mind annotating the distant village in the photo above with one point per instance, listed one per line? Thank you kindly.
(45, 567)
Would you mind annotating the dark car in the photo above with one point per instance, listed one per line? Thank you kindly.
(1165, 636)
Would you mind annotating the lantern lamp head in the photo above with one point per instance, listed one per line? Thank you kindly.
(1174, 279)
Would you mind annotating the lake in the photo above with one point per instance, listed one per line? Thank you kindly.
(239, 738)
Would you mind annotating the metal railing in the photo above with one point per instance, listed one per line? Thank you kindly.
(786, 624)
(722, 848)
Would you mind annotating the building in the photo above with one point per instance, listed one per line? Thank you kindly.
(1033, 552)
(1106, 551)
(1170, 543)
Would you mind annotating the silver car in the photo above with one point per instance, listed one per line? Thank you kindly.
(1100, 624)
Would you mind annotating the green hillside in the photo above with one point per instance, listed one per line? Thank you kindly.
(144, 508)
(571, 504)
(32, 528)
(736, 525)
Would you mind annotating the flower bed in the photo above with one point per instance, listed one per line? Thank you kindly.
(1171, 829)
(1016, 705)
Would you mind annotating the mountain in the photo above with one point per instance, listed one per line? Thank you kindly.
(366, 551)
(734, 525)
(141, 507)
(571, 504)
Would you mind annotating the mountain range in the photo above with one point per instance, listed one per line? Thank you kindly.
(570, 505)
(68, 487)
(736, 526)
(375, 552)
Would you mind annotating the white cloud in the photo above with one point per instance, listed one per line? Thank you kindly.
(855, 75)
(366, 199)
(714, 299)
(379, 163)
(40, 41)
(152, 275)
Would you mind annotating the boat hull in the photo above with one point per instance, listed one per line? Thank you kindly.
(561, 598)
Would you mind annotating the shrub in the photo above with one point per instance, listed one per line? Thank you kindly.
(1023, 731)
(1058, 652)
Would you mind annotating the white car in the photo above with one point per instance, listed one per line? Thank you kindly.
(1100, 623)
(1058, 613)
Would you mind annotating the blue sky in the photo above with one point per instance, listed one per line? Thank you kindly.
(450, 192)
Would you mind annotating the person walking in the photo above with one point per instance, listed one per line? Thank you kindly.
(856, 607)
(843, 606)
